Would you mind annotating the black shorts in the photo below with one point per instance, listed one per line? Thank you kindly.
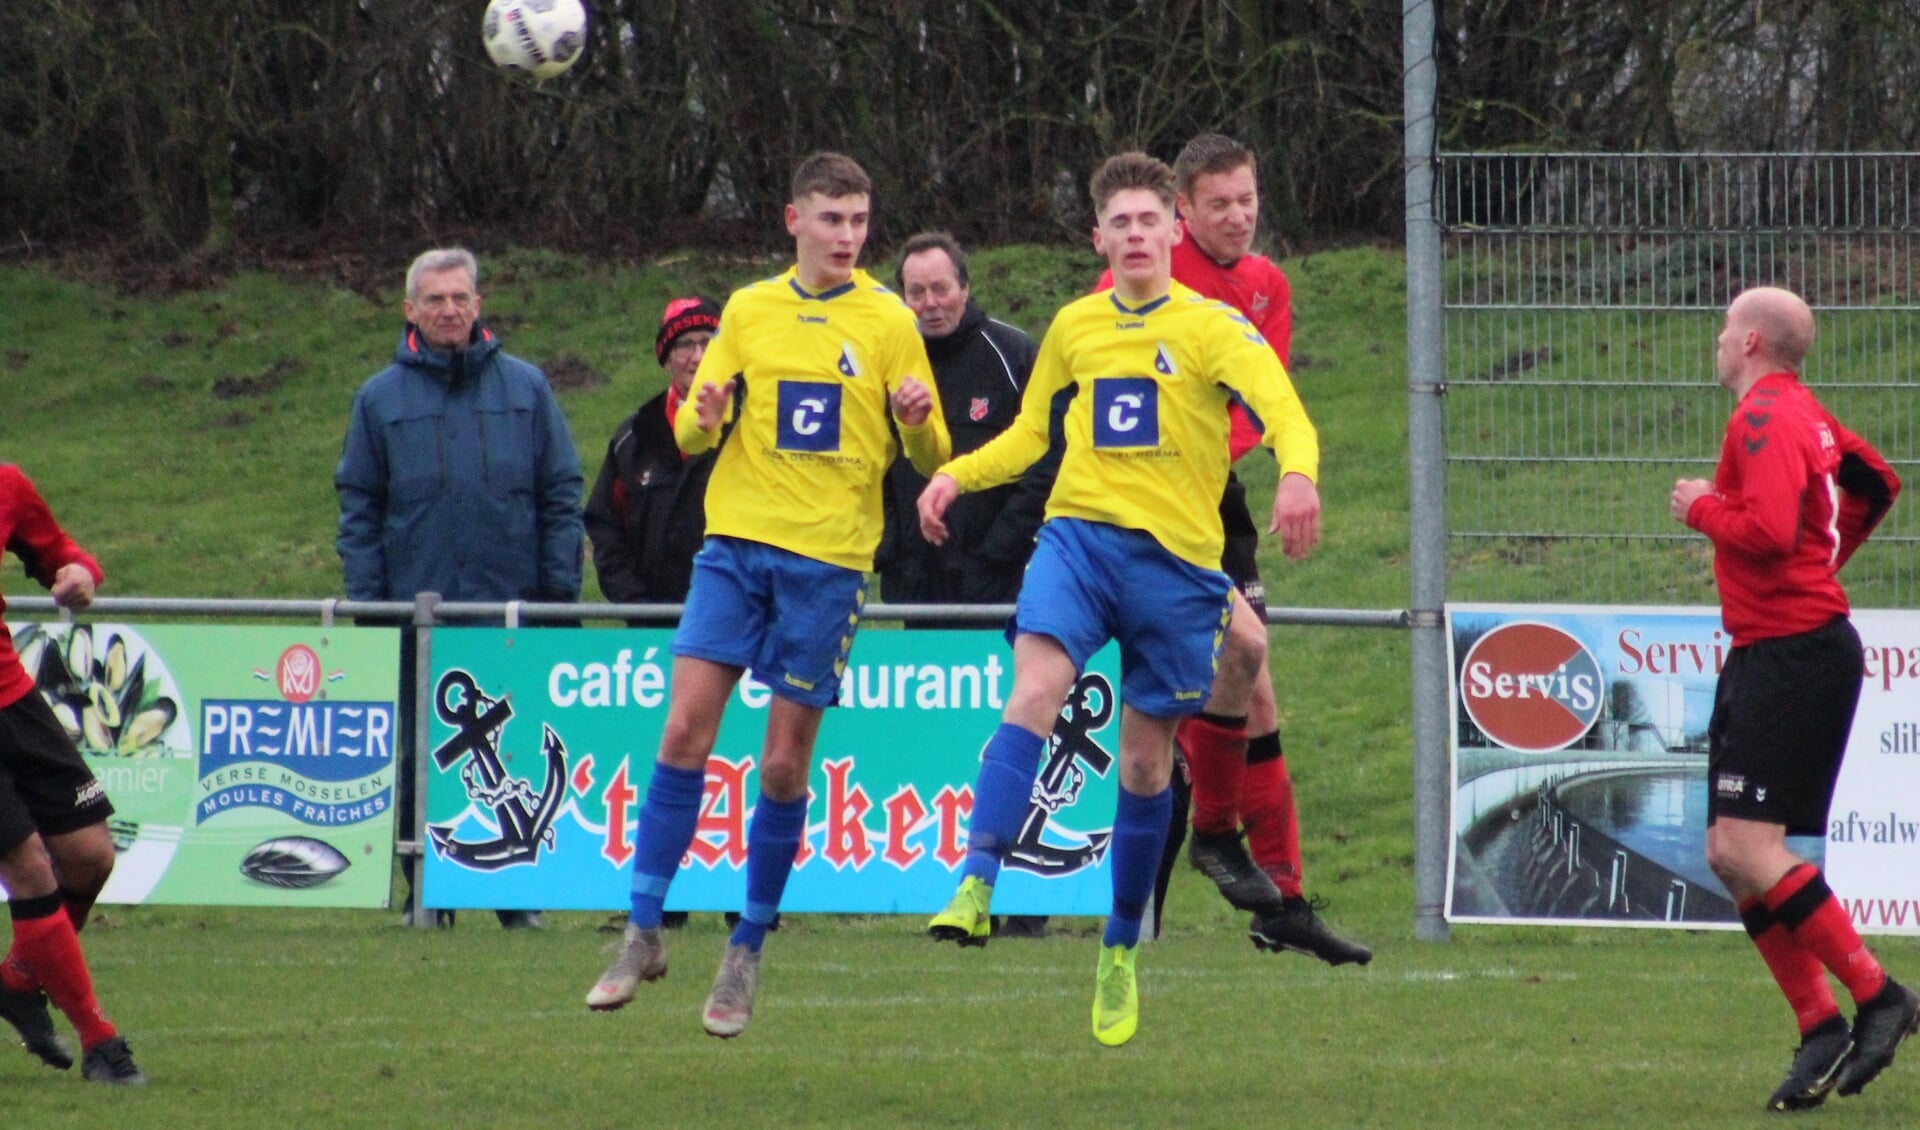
(45, 785)
(1781, 716)
(1239, 560)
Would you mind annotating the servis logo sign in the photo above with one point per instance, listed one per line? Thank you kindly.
(1531, 687)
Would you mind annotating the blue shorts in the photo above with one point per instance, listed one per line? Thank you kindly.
(789, 619)
(1089, 582)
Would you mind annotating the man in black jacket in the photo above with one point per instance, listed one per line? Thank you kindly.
(647, 515)
(981, 367)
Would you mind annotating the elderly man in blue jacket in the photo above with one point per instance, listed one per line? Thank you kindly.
(458, 476)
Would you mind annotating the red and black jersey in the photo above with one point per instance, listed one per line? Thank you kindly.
(29, 532)
(1794, 495)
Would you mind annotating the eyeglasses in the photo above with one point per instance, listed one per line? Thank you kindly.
(687, 343)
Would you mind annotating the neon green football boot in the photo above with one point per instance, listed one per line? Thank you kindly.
(1116, 1000)
(965, 920)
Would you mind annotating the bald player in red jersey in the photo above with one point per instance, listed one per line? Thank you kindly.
(1793, 496)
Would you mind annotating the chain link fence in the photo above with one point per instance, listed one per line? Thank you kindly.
(1581, 297)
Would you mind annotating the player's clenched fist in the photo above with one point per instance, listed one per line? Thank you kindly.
(73, 587)
(911, 403)
(1686, 492)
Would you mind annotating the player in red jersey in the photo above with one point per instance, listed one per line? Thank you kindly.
(1234, 761)
(1793, 496)
(55, 852)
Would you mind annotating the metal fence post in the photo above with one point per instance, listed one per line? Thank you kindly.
(425, 607)
(1426, 471)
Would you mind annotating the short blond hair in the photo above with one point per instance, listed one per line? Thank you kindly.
(1124, 171)
(831, 175)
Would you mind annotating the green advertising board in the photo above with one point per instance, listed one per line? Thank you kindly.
(247, 766)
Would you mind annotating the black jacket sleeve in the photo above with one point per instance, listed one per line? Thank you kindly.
(1013, 531)
(615, 558)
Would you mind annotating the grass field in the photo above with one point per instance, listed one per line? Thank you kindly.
(255, 1019)
(189, 440)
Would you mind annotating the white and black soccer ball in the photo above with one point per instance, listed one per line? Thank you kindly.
(540, 37)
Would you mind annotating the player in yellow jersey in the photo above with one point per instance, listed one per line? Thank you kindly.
(801, 388)
(1132, 543)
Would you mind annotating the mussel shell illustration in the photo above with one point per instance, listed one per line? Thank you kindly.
(294, 862)
(145, 728)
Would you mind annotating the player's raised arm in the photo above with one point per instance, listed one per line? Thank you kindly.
(1007, 456)
(696, 425)
(1263, 383)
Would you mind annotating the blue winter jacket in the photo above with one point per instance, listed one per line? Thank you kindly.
(459, 477)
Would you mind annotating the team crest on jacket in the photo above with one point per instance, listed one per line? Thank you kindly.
(1259, 304)
(1162, 361)
(977, 409)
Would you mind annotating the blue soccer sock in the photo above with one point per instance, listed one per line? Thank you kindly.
(668, 818)
(773, 840)
(1001, 793)
(1139, 834)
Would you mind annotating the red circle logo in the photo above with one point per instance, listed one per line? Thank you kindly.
(1531, 687)
(298, 673)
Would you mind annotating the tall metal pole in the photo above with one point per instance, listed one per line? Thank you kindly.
(1426, 472)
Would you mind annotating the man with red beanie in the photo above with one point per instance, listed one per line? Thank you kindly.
(646, 517)
(55, 851)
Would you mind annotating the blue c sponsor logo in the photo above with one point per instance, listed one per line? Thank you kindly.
(809, 416)
(1126, 412)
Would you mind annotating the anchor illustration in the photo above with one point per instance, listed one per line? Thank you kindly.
(1088, 708)
(524, 816)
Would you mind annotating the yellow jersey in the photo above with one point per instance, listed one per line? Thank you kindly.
(809, 433)
(1147, 429)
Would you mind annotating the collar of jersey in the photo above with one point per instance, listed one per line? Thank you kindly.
(1149, 308)
(827, 295)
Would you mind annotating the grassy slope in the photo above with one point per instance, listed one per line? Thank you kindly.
(338, 1019)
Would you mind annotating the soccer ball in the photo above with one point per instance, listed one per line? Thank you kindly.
(541, 37)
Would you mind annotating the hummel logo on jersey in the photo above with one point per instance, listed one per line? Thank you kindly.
(1161, 362)
(848, 366)
(1759, 419)
(812, 319)
(1136, 324)
(1754, 445)
(88, 793)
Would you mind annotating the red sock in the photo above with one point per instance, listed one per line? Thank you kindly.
(1805, 905)
(1216, 750)
(1266, 808)
(44, 940)
(14, 973)
(1799, 974)
(15, 977)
